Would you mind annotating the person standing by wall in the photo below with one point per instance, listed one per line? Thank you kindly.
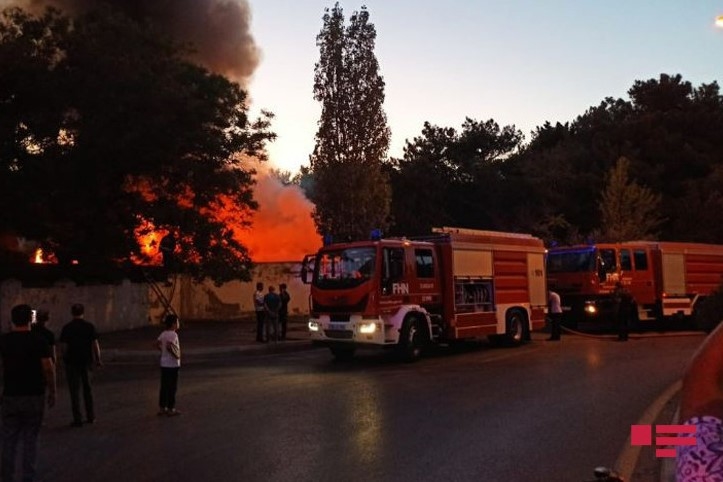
(169, 346)
(284, 310)
(260, 312)
(81, 351)
(554, 311)
(28, 378)
(42, 317)
(272, 305)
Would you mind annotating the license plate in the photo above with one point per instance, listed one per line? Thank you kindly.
(337, 326)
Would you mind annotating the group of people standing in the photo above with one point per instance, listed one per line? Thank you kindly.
(29, 379)
(272, 311)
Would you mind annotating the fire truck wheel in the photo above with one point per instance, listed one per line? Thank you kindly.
(412, 341)
(516, 326)
(342, 353)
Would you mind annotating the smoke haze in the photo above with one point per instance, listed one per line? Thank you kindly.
(219, 31)
(283, 229)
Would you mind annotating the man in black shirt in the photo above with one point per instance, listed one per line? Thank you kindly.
(80, 351)
(40, 328)
(623, 305)
(284, 310)
(28, 376)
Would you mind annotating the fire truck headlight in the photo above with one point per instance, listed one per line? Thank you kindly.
(313, 326)
(367, 328)
(590, 309)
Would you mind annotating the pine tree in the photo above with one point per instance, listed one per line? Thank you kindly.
(629, 211)
(351, 189)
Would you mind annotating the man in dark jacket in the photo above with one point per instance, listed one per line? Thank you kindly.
(28, 377)
(284, 310)
(40, 327)
(80, 352)
(623, 305)
(272, 305)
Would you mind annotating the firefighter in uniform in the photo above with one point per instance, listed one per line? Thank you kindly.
(623, 304)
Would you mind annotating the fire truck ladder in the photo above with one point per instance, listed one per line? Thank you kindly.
(165, 300)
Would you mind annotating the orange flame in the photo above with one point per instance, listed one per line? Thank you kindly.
(148, 238)
(41, 257)
(281, 230)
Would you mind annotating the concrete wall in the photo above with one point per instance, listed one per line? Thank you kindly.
(234, 299)
(110, 307)
(131, 305)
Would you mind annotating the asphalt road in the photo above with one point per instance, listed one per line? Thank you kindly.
(542, 412)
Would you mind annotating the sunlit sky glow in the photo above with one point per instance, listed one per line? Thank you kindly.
(520, 62)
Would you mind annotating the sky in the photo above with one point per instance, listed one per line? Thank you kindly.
(519, 62)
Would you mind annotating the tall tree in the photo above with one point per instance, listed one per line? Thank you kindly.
(453, 178)
(351, 189)
(114, 134)
(629, 211)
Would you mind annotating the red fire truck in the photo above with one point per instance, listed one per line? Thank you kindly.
(666, 279)
(402, 293)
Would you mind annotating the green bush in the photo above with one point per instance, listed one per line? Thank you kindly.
(709, 312)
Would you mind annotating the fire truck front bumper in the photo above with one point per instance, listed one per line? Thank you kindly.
(587, 309)
(357, 330)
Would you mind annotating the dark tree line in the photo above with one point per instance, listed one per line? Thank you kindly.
(668, 134)
(646, 167)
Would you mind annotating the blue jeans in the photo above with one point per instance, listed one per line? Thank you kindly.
(21, 420)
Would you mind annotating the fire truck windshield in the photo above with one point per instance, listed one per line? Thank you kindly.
(571, 261)
(345, 268)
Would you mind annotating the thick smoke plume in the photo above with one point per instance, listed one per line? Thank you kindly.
(219, 31)
(283, 229)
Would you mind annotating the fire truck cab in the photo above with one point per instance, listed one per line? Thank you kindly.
(666, 279)
(406, 294)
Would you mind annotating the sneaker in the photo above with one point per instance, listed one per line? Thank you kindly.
(90, 421)
(173, 412)
(162, 411)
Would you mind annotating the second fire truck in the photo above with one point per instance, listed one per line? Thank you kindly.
(666, 279)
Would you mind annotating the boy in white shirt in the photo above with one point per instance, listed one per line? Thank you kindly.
(170, 349)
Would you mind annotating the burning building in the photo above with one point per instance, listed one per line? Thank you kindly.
(219, 38)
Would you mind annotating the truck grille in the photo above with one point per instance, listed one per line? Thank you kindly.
(339, 334)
